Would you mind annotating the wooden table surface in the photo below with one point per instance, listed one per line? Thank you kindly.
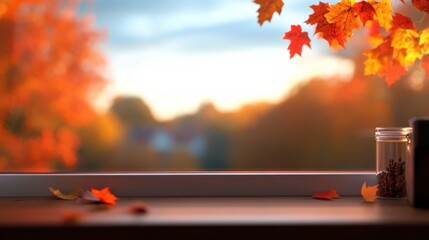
(212, 218)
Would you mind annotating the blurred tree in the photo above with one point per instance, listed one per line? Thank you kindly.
(99, 144)
(50, 69)
(132, 112)
(324, 125)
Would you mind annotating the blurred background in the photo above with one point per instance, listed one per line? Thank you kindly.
(140, 85)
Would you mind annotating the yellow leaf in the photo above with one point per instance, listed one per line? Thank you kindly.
(372, 64)
(69, 196)
(424, 41)
(369, 193)
(406, 46)
(383, 10)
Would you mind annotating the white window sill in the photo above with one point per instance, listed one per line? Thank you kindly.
(190, 183)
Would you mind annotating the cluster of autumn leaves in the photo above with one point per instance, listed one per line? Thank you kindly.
(398, 43)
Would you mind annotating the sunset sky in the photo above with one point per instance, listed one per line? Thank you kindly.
(178, 54)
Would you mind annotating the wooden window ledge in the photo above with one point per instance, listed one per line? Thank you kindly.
(212, 218)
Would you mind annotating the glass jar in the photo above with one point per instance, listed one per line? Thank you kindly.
(392, 154)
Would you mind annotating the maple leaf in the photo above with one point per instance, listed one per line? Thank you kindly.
(383, 10)
(138, 208)
(267, 9)
(369, 194)
(104, 195)
(392, 72)
(365, 11)
(327, 195)
(380, 61)
(421, 5)
(318, 15)
(424, 41)
(69, 196)
(72, 217)
(298, 39)
(343, 15)
(328, 31)
(372, 64)
(401, 21)
(406, 48)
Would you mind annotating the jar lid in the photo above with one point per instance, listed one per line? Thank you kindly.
(393, 131)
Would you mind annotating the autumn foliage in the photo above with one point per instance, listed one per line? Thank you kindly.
(49, 70)
(398, 41)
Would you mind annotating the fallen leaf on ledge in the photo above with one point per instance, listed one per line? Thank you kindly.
(88, 197)
(69, 196)
(369, 194)
(72, 217)
(104, 195)
(328, 195)
(138, 208)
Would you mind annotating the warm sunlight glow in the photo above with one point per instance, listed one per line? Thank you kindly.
(176, 83)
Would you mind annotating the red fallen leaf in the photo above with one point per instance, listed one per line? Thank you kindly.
(71, 217)
(297, 38)
(104, 195)
(421, 5)
(328, 195)
(138, 208)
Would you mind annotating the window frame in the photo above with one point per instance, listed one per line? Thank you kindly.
(173, 184)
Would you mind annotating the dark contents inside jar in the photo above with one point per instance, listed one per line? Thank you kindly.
(391, 181)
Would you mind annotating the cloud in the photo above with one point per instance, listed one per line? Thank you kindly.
(191, 24)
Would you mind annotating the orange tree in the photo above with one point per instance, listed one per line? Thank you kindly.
(399, 42)
(49, 70)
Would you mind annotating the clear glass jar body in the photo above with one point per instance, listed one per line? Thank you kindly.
(392, 154)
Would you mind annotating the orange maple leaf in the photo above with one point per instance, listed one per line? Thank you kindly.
(383, 10)
(369, 193)
(327, 195)
(343, 15)
(365, 11)
(421, 5)
(392, 72)
(328, 31)
(267, 9)
(381, 62)
(297, 38)
(105, 196)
